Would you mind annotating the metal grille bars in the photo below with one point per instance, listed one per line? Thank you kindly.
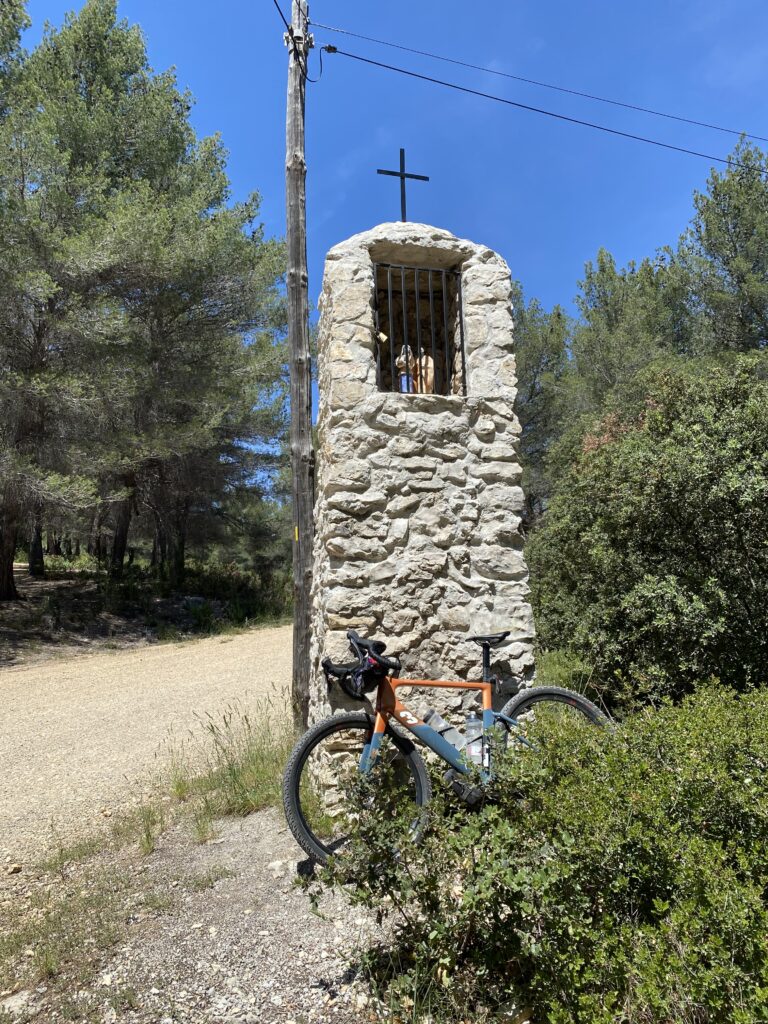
(419, 330)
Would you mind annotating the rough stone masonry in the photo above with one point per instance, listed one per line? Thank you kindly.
(417, 515)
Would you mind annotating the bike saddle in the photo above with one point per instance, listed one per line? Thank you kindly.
(493, 639)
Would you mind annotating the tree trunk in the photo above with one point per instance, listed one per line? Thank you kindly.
(178, 550)
(8, 534)
(122, 512)
(177, 566)
(95, 539)
(160, 547)
(36, 556)
(68, 548)
(90, 545)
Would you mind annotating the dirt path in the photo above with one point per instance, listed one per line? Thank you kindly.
(75, 734)
(247, 949)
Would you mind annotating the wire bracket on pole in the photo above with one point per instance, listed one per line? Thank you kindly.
(299, 41)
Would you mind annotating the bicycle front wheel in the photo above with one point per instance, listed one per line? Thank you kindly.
(321, 805)
(544, 710)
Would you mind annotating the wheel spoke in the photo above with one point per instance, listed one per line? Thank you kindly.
(331, 796)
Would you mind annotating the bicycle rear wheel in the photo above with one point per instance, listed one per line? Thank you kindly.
(547, 710)
(319, 795)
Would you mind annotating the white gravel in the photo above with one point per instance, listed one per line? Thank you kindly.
(75, 735)
(249, 949)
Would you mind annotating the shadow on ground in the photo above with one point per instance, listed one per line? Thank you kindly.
(71, 613)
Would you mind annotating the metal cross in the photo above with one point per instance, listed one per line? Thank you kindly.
(402, 176)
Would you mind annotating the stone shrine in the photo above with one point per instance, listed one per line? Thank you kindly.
(417, 515)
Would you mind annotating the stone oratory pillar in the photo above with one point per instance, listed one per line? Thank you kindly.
(417, 515)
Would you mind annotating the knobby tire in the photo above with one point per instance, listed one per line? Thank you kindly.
(302, 832)
(526, 700)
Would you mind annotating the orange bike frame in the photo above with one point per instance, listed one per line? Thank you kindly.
(389, 706)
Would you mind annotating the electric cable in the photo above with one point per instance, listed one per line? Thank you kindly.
(301, 62)
(280, 12)
(304, 58)
(542, 85)
(537, 110)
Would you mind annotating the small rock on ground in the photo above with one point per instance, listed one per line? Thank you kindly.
(248, 949)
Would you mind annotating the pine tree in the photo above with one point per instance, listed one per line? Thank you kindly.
(726, 253)
(139, 305)
(541, 347)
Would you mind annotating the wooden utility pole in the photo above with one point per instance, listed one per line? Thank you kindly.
(299, 42)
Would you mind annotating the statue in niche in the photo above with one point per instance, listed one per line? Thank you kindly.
(417, 375)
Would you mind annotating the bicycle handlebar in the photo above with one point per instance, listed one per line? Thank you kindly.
(372, 649)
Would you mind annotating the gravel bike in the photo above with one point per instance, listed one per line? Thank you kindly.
(375, 745)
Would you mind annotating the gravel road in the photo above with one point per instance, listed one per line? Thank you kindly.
(76, 734)
(246, 950)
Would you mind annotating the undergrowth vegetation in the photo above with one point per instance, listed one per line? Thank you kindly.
(616, 875)
(233, 763)
(650, 561)
(78, 603)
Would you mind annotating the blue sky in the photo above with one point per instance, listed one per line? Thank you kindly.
(545, 194)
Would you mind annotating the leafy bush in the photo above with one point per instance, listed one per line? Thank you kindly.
(83, 563)
(651, 561)
(245, 594)
(618, 875)
(564, 668)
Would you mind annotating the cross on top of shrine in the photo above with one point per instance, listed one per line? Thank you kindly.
(401, 174)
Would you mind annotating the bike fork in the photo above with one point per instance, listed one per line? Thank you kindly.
(372, 747)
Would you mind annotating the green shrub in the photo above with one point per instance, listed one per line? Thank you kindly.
(83, 563)
(564, 668)
(651, 562)
(617, 875)
(245, 594)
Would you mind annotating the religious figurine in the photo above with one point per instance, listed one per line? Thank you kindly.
(416, 375)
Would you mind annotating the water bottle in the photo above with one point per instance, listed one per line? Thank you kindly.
(473, 733)
(446, 730)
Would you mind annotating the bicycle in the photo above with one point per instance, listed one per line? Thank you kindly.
(372, 742)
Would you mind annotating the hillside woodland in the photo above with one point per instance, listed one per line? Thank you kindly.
(142, 397)
(645, 450)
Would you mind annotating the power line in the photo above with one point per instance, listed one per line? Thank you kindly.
(289, 30)
(280, 12)
(536, 110)
(542, 85)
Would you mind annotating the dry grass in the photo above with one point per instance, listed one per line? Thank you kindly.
(233, 764)
(58, 934)
(87, 893)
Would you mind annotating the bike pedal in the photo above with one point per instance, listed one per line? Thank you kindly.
(471, 795)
